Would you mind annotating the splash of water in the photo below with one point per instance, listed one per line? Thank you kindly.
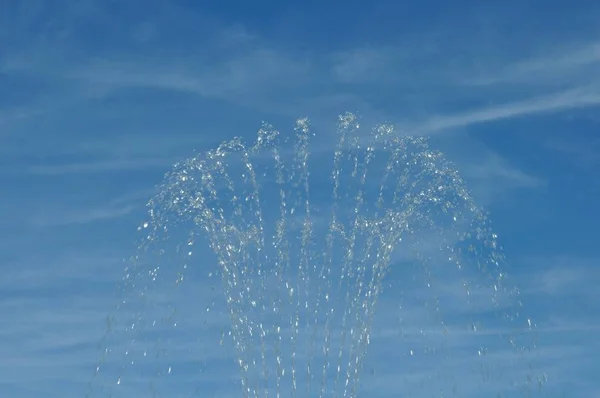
(303, 253)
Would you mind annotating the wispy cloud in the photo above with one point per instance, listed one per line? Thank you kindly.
(560, 101)
(118, 165)
(56, 304)
(584, 150)
(563, 275)
(556, 65)
(232, 78)
(59, 214)
(492, 177)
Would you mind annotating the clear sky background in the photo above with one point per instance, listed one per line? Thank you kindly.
(99, 98)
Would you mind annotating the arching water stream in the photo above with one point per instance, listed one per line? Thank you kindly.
(303, 246)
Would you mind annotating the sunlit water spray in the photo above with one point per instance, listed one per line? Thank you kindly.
(303, 246)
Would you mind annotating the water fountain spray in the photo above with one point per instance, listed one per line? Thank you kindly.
(303, 243)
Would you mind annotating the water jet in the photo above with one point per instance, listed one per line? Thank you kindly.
(303, 245)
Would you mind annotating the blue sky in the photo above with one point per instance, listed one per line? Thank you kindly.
(100, 98)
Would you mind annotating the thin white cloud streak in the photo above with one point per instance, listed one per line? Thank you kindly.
(95, 267)
(57, 214)
(239, 75)
(565, 100)
(101, 166)
(9, 115)
(496, 169)
(562, 64)
(563, 275)
(123, 153)
(575, 67)
(583, 150)
(83, 216)
(490, 177)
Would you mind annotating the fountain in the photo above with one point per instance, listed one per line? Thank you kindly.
(302, 245)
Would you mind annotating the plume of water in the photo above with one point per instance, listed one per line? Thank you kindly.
(303, 243)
